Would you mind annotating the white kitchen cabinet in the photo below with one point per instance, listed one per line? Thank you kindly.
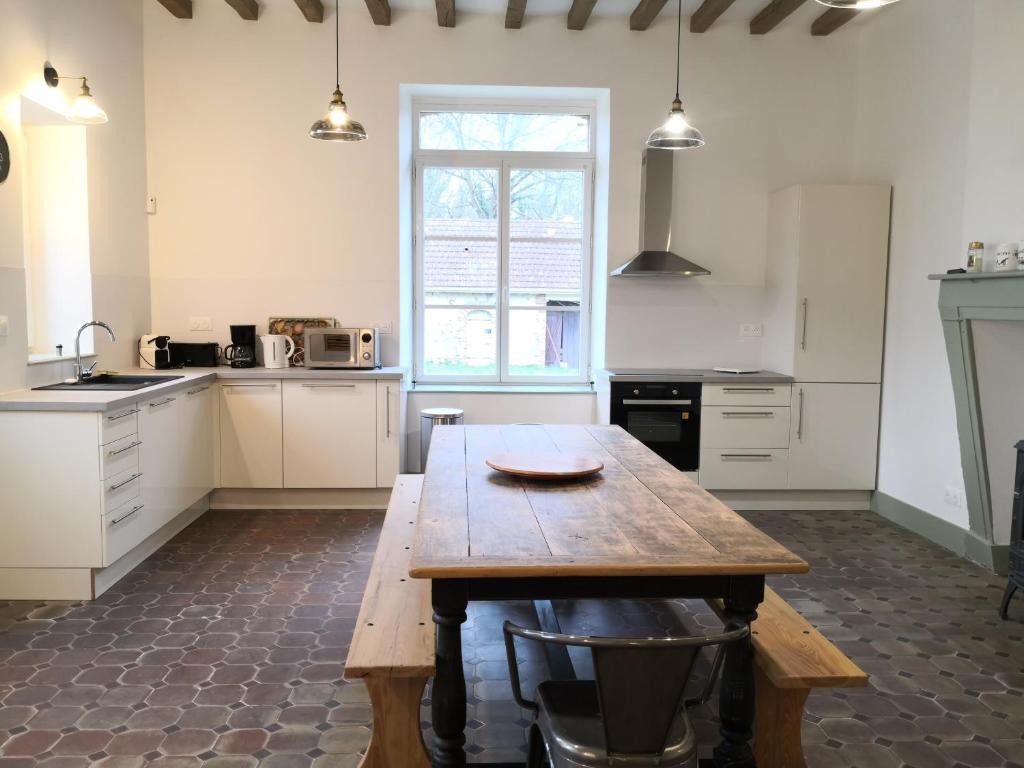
(828, 250)
(834, 437)
(330, 434)
(744, 469)
(250, 434)
(160, 430)
(744, 437)
(198, 441)
(389, 432)
(744, 427)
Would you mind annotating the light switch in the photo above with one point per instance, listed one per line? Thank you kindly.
(151, 204)
(3, 325)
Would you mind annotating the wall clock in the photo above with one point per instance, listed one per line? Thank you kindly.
(5, 159)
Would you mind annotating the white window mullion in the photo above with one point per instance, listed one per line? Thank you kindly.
(504, 215)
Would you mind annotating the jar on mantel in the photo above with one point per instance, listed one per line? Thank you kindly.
(976, 257)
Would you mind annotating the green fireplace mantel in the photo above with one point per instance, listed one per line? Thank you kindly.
(963, 299)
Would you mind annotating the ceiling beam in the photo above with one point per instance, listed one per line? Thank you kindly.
(313, 10)
(380, 12)
(708, 14)
(831, 20)
(645, 13)
(247, 9)
(579, 13)
(774, 14)
(445, 13)
(514, 14)
(180, 8)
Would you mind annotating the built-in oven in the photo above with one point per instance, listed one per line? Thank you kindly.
(663, 416)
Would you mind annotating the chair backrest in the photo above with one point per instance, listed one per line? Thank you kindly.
(640, 682)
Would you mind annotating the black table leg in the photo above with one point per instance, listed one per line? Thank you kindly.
(448, 695)
(736, 704)
(1004, 607)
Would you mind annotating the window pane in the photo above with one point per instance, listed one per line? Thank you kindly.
(544, 343)
(460, 342)
(460, 236)
(504, 131)
(546, 238)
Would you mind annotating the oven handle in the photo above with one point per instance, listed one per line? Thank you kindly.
(657, 402)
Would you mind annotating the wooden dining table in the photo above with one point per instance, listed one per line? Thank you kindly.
(639, 529)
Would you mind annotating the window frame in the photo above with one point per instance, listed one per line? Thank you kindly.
(505, 162)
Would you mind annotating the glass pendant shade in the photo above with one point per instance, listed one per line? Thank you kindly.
(85, 110)
(337, 125)
(856, 5)
(676, 132)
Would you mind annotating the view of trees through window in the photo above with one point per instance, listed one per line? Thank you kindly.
(505, 251)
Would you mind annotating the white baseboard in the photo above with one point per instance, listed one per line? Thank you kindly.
(795, 501)
(300, 498)
(105, 578)
(45, 583)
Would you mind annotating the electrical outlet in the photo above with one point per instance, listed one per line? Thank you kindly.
(954, 497)
(751, 330)
(386, 329)
(200, 324)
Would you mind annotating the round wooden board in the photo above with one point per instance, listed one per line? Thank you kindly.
(546, 466)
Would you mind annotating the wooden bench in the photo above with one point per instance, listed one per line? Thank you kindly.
(392, 649)
(791, 658)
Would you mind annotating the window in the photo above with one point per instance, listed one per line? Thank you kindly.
(504, 204)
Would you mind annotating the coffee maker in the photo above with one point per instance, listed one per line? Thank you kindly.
(241, 353)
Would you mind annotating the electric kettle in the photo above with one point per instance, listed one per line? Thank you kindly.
(277, 350)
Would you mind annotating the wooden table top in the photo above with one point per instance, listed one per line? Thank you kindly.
(639, 517)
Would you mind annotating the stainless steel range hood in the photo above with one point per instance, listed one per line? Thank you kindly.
(656, 256)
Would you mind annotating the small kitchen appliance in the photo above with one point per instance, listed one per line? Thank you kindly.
(153, 351)
(277, 350)
(663, 415)
(190, 354)
(241, 353)
(342, 348)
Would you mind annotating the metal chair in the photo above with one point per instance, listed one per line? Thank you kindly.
(632, 714)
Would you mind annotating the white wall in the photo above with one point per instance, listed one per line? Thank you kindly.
(939, 117)
(255, 218)
(104, 42)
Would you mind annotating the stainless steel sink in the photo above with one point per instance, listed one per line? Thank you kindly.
(112, 382)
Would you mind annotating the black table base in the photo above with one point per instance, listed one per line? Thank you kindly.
(741, 594)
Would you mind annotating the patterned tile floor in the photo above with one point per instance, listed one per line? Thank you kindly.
(225, 649)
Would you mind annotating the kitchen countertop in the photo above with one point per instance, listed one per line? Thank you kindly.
(701, 375)
(65, 400)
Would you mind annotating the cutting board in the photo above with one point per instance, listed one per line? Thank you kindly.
(545, 466)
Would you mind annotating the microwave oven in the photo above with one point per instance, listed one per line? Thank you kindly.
(342, 348)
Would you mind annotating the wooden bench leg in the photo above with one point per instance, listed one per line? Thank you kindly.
(396, 740)
(778, 715)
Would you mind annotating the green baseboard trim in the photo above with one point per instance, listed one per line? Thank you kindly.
(994, 557)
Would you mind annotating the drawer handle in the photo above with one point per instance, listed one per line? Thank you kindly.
(126, 515)
(122, 415)
(742, 390)
(165, 401)
(748, 414)
(234, 386)
(329, 386)
(123, 483)
(197, 391)
(136, 444)
(758, 456)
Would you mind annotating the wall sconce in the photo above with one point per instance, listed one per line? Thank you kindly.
(84, 110)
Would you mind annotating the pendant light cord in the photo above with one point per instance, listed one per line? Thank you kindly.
(337, 45)
(679, 43)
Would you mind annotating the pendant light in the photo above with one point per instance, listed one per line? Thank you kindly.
(856, 5)
(676, 132)
(337, 125)
(84, 110)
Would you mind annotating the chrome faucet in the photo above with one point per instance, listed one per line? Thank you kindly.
(83, 374)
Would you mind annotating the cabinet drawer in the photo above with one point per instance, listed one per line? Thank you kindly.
(119, 424)
(746, 394)
(121, 488)
(124, 528)
(744, 469)
(745, 426)
(119, 456)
